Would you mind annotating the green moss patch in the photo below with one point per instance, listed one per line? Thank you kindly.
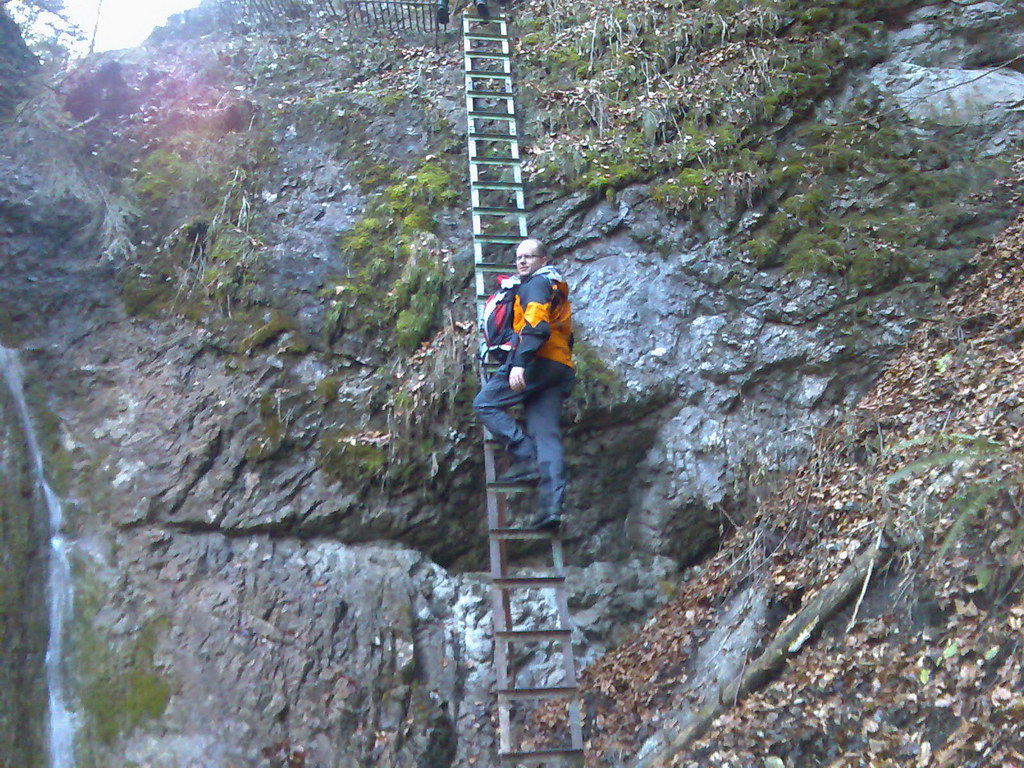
(273, 420)
(398, 276)
(350, 459)
(327, 388)
(197, 193)
(881, 215)
(635, 95)
(597, 386)
(119, 686)
(278, 323)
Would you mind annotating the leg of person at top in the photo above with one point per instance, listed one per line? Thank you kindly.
(543, 413)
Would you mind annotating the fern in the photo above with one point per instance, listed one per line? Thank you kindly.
(938, 460)
(968, 451)
(975, 499)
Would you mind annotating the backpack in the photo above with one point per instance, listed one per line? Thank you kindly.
(496, 322)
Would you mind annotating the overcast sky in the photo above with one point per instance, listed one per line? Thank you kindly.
(123, 23)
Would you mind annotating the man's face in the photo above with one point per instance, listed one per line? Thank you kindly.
(527, 262)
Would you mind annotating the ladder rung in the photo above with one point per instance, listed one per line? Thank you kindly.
(509, 487)
(540, 756)
(496, 160)
(512, 186)
(481, 300)
(496, 241)
(519, 534)
(489, 211)
(490, 270)
(476, 93)
(506, 116)
(478, 36)
(512, 238)
(478, 136)
(488, 55)
(527, 582)
(485, 75)
(532, 635)
(495, 267)
(514, 694)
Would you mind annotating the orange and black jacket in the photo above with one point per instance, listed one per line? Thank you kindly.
(542, 319)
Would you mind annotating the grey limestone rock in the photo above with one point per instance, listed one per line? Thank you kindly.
(368, 655)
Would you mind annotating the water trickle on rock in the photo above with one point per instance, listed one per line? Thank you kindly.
(61, 726)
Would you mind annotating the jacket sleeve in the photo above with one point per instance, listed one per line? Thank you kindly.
(535, 299)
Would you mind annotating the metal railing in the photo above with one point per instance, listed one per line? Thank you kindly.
(392, 15)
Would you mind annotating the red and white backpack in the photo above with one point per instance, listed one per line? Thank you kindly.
(496, 324)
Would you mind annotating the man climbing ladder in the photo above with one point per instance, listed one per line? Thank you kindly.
(538, 374)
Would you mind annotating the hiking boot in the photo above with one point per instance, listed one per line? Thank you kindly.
(547, 519)
(523, 471)
(483, 11)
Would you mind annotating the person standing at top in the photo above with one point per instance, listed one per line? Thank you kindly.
(539, 374)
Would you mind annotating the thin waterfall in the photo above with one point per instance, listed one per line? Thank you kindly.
(61, 726)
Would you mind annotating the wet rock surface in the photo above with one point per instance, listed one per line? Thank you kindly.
(24, 541)
(346, 620)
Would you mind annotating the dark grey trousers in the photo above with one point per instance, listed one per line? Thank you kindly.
(547, 385)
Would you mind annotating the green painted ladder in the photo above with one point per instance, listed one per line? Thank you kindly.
(499, 223)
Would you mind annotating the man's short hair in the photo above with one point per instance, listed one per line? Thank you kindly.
(536, 246)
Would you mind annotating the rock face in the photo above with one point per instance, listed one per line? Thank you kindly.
(263, 579)
(754, 362)
(351, 655)
(960, 70)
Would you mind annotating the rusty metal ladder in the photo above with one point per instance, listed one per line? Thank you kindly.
(499, 222)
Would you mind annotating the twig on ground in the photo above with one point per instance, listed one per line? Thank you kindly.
(863, 590)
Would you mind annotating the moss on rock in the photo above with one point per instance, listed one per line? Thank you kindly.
(720, 107)
(346, 458)
(197, 192)
(273, 428)
(119, 685)
(598, 387)
(278, 323)
(397, 279)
